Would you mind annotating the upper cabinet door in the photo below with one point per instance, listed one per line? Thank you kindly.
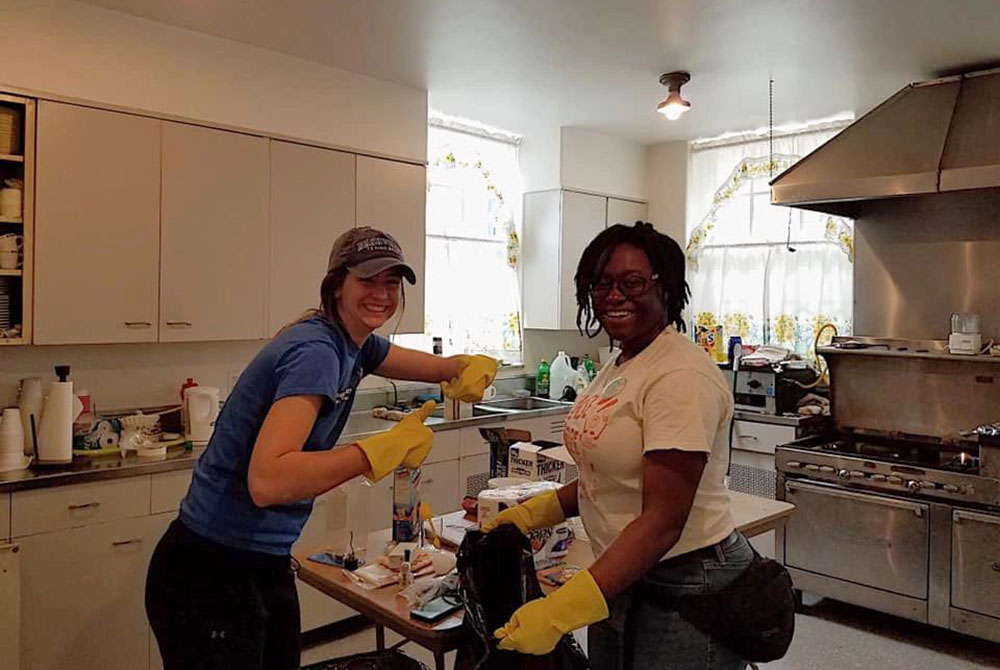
(583, 218)
(625, 212)
(97, 226)
(214, 265)
(312, 202)
(392, 197)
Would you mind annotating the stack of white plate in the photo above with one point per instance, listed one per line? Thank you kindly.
(6, 300)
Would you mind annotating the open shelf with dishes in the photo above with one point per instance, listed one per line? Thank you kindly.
(17, 176)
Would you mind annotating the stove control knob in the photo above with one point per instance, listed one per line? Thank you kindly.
(793, 464)
(927, 485)
(950, 488)
(893, 479)
(878, 478)
(811, 467)
(857, 474)
(912, 485)
(826, 469)
(843, 474)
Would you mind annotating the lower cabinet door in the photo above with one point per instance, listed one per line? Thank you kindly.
(439, 487)
(473, 474)
(316, 608)
(82, 595)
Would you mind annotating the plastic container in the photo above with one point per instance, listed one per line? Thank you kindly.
(542, 379)
(589, 367)
(562, 375)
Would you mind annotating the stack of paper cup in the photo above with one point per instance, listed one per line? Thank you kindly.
(11, 441)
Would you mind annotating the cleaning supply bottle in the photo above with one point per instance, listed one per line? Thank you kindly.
(562, 375)
(542, 380)
(589, 367)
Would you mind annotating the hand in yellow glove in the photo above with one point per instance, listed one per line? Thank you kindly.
(541, 511)
(406, 444)
(537, 627)
(475, 373)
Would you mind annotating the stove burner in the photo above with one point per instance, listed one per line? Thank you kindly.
(904, 452)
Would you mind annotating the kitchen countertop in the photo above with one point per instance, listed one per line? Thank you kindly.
(361, 424)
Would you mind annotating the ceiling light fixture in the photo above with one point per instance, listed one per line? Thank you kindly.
(674, 105)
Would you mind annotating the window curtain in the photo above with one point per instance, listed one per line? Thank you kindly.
(473, 297)
(768, 274)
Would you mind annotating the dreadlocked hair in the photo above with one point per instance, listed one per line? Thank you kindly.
(665, 257)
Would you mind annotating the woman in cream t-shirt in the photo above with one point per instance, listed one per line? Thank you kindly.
(649, 436)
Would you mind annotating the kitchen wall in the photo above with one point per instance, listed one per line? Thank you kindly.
(917, 260)
(591, 161)
(73, 49)
(666, 177)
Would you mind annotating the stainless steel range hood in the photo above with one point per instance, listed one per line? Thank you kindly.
(930, 137)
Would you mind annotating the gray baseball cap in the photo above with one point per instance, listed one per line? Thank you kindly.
(365, 252)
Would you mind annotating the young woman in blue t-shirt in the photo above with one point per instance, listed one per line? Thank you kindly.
(220, 592)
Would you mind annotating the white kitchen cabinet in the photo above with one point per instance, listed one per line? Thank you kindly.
(542, 427)
(439, 486)
(312, 203)
(446, 447)
(82, 595)
(168, 489)
(625, 212)
(72, 506)
(380, 509)
(97, 226)
(558, 226)
(316, 608)
(392, 196)
(214, 235)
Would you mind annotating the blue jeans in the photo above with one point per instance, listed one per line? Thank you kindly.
(659, 638)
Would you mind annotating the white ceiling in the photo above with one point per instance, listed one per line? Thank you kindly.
(525, 64)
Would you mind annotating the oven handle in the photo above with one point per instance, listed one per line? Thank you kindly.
(972, 516)
(917, 508)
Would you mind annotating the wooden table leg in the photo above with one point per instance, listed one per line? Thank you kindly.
(438, 660)
(379, 637)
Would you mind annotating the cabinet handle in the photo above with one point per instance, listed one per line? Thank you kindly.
(179, 324)
(428, 481)
(123, 543)
(750, 437)
(89, 505)
(139, 324)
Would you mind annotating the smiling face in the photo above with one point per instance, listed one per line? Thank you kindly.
(365, 305)
(627, 299)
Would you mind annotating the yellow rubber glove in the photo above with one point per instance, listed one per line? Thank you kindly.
(540, 511)
(537, 627)
(406, 444)
(475, 373)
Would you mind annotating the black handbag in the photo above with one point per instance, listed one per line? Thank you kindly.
(754, 615)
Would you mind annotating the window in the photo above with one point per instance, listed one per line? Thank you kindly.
(769, 274)
(473, 299)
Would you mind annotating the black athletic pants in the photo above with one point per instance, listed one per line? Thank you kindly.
(215, 608)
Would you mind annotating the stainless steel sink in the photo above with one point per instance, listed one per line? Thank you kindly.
(521, 404)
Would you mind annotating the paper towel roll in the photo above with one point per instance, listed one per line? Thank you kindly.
(55, 439)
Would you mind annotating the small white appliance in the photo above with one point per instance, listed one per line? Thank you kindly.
(965, 338)
(201, 408)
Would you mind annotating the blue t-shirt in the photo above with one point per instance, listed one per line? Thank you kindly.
(312, 357)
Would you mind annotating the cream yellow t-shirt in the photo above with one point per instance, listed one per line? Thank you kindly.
(670, 396)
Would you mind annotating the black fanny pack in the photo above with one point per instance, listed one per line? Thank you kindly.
(754, 615)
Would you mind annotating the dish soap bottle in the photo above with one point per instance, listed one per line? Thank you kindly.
(589, 367)
(542, 380)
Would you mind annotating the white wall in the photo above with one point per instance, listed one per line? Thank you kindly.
(72, 49)
(667, 187)
(538, 155)
(605, 164)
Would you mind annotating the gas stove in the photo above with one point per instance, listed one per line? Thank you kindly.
(908, 467)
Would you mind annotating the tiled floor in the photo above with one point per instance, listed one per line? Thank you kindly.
(828, 636)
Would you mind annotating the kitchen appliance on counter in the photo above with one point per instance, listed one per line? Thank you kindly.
(773, 388)
(201, 408)
(895, 509)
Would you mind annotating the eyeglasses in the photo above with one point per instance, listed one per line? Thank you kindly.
(631, 286)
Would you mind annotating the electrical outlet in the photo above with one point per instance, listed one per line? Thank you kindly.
(234, 375)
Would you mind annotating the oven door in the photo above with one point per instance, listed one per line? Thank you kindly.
(975, 562)
(863, 538)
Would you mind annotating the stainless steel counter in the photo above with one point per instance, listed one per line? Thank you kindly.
(360, 425)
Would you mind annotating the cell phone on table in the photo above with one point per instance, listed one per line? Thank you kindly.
(435, 610)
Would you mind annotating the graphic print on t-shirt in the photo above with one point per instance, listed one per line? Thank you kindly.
(585, 424)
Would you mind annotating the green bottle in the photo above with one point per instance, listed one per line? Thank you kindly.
(588, 365)
(542, 380)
